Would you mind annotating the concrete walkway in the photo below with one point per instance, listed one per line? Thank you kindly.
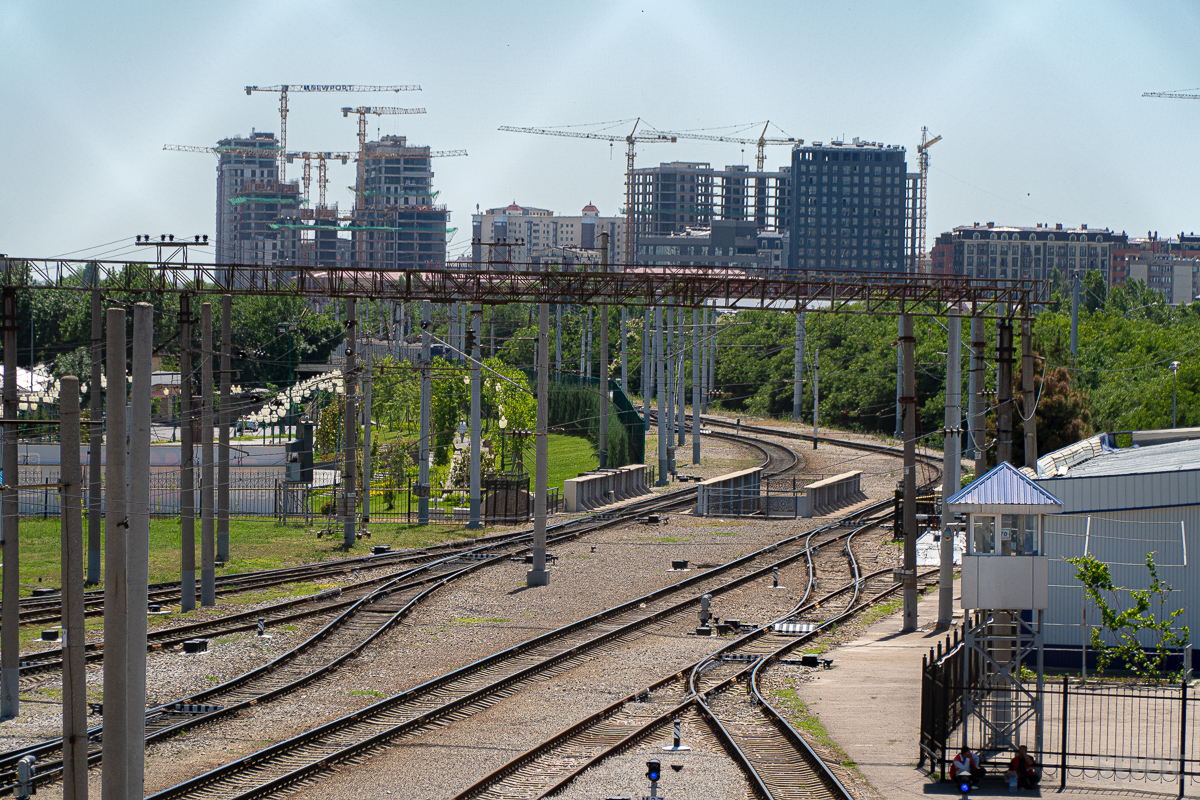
(870, 703)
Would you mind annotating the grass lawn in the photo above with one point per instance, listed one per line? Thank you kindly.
(569, 456)
(253, 544)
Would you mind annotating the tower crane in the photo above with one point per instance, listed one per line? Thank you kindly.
(760, 189)
(321, 157)
(631, 142)
(284, 89)
(362, 112)
(1173, 95)
(760, 143)
(923, 160)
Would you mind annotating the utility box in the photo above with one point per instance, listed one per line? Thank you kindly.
(300, 454)
(1004, 567)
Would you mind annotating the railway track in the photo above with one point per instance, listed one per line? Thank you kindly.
(360, 621)
(776, 760)
(480, 684)
(255, 686)
(551, 766)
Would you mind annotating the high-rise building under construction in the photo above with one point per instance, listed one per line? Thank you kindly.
(851, 207)
(396, 223)
(679, 195)
(239, 171)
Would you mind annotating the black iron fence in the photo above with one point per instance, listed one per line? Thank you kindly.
(1121, 730)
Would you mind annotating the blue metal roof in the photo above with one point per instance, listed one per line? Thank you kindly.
(1005, 485)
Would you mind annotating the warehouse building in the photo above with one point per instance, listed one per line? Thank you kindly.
(1120, 503)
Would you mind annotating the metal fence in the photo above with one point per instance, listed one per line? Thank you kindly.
(1107, 729)
(265, 495)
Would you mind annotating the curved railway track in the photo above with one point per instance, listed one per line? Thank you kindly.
(360, 621)
(480, 684)
(426, 704)
(551, 766)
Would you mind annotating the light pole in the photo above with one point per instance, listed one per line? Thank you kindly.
(1174, 389)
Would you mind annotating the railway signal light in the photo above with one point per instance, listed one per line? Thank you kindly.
(964, 786)
(470, 341)
(653, 769)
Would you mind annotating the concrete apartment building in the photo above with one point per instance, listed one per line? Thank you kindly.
(1178, 278)
(850, 207)
(1040, 252)
(538, 235)
(236, 173)
(679, 195)
(396, 224)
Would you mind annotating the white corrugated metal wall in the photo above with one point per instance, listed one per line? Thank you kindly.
(1130, 515)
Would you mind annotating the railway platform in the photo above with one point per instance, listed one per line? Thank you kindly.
(870, 704)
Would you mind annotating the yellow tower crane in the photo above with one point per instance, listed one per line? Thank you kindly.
(283, 90)
(631, 141)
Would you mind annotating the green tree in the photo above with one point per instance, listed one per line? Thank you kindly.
(1126, 615)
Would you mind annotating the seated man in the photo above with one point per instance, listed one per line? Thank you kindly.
(1025, 769)
(966, 764)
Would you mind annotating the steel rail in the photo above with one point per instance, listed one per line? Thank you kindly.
(515, 765)
(49, 772)
(488, 785)
(324, 737)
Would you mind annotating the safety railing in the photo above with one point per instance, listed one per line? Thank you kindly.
(604, 487)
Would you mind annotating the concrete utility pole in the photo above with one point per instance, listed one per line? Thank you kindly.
(74, 676)
(557, 337)
(816, 394)
(10, 625)
(1004, 405)
(899, 384)
(208, 573)
(367, 426)
(798, 366)
(476, 442)
(539, 575)
(115, 780)
(977, 411)
(187, 481)
(907, 342)
(952, 451)
(1074, 317)
(705, 383)
(591, 354)
(664, 408)
(695, 386)
(646, 369)
(1028, 416)
(223, 432)
(625, 350)
(137, 550)
(95, 441)
(349, 436)
(712, 357)
(426, 381)
(602, 373)
(680, 396)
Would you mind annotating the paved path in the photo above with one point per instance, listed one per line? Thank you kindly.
(870, 703)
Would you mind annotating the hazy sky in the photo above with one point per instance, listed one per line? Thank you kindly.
(1039, 102)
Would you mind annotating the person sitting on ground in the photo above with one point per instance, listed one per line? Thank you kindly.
(1025, 769)
(967, 763)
